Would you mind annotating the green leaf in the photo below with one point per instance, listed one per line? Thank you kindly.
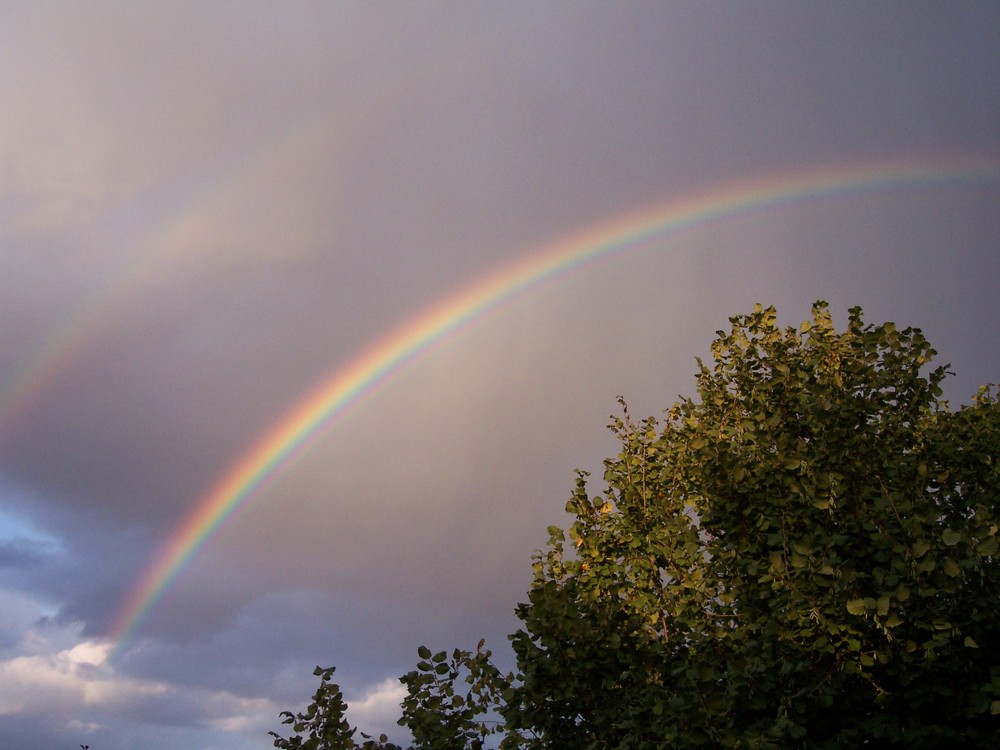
(856, 606)
(987, 547)
(969, 642)
(951, 567)
(951, 537)
(777, 561)
(802, 548)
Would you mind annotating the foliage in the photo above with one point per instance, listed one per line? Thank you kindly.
(805, 556)
(452, 704)
(324, 722)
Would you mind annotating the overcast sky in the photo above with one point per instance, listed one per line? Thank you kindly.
(208, 210)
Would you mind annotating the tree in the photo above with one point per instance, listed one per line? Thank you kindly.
(803, 556)
(440, 713)
(324, 722)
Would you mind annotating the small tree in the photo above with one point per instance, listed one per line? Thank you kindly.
(804, 556)
(324, 722)
(454, 703)
(440, 713)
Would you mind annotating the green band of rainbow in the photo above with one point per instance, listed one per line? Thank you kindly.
(319, 409)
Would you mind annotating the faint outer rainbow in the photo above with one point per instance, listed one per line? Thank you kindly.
(347, 384)
(150, 256)
(172, 242)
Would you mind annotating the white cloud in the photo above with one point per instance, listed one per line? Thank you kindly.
(68, 679)
(379, 708)
(236, 713)
(89, 652)
(84, 727)
(43, 675)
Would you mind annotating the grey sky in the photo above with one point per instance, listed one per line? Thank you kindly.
(206, 210)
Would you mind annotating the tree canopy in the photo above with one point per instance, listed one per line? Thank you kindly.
(803, 555)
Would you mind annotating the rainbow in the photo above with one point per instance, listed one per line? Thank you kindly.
(347, 385)
(149, 259)
(173, 240)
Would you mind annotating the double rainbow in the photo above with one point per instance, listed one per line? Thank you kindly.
(345, 387)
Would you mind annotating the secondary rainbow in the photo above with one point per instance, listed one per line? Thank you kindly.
(347, 385)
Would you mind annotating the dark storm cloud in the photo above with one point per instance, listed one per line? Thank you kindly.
(19, 553)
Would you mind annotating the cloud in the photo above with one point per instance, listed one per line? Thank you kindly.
(19, 553)
(378, 708)
(67, 680)
(75, 689)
